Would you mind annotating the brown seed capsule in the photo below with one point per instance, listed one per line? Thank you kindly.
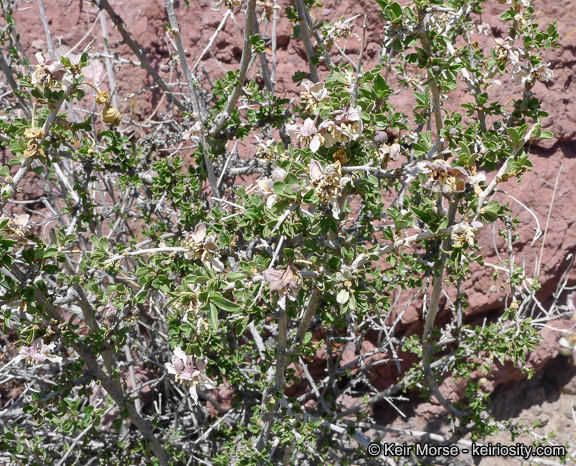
(111, 116)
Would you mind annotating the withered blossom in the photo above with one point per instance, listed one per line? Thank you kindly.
(230, 4)
(285, 282)
(529, 73)
(468, 235)
(268, 7)
(265, 150)
(189, 371)
(388, 152)
(266, 185)
(102, 97)
(347, 126)
(315, 94)
(200, 247)
(344, 27)
(328, 185)
(189, 309)
(38, 353)
(505, 50)
(34, 139)
(16, 228)
(443, 178)
(111, 115)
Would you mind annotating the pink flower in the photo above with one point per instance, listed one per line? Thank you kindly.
(38, 353)
(308, 134)
(347, 126)
(285, 282)
(109, 310)
(443, 178)
(189, 371)
(51, 73)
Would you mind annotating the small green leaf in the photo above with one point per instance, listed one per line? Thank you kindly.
(225, 304)
(49, 253)
(213, 317)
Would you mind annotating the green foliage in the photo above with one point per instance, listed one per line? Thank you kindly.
(358, 202)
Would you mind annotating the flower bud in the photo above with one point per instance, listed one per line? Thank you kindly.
(111, 116)
(7, 190)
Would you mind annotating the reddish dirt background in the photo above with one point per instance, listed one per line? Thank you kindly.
(74, 22)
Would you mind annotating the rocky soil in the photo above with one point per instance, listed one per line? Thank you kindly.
(549, 395)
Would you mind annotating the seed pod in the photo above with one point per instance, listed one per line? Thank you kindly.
(381, 137)
(111, 116)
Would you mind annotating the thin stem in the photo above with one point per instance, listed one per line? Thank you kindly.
(244, 64)
(119, 23)
(427, 340)
(305, 31)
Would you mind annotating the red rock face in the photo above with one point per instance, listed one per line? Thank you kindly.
(75, 23)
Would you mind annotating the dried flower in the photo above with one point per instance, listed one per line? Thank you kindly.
(230, 4)
(387, 153)
(466, 236)
(111, 116)
(268, 7)
(265, 149)
(34, 142)
(285, 282)
(51, 73)
(16, 228)
(189, 371)
(328, 185)
(200, 247)
(443, 178)
(102, 97)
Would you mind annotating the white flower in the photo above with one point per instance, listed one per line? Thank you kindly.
(308, 134)
(347, 126)
(267, 184)
(189, 371)
(505, 50)
(528, 73)
(265, 150)
(200, 247)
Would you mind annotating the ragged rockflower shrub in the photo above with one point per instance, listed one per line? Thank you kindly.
(169, 308)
